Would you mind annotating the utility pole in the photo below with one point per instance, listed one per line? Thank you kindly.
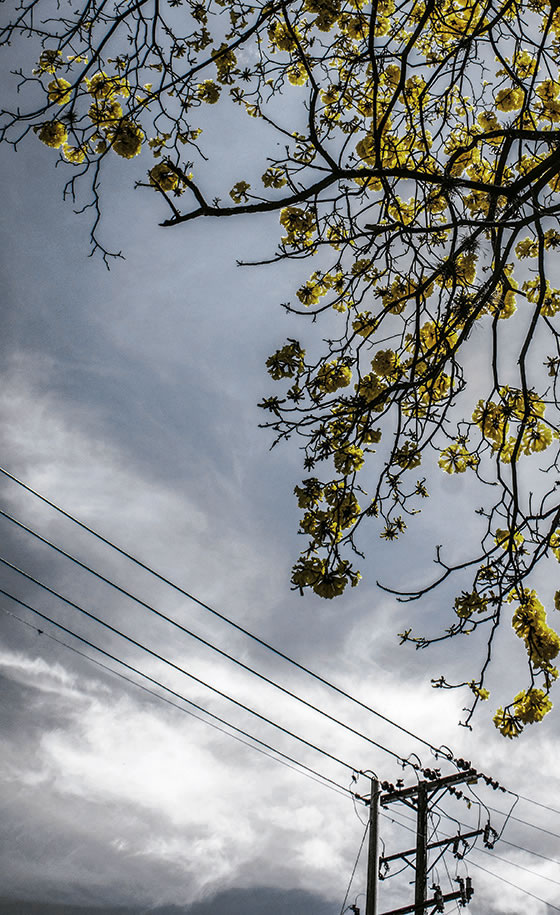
(373, 864)
(420, 798)
(421, 848)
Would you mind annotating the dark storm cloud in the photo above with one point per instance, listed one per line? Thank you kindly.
(253, 901)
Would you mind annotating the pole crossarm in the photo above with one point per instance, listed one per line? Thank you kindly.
(403, 794)
(450, 841)
(434, 901)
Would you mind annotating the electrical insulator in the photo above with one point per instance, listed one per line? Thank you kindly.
(461, 883)
(490, 836)
(438, 898)
(460, 847)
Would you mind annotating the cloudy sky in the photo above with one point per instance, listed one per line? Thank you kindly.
(128, 398)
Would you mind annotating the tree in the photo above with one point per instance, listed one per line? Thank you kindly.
(422, 185)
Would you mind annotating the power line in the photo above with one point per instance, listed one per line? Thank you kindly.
(171, 664)
(515, 886)
(493, 855)
(480, 867)
(200, 639)
(527, 870)
(298, 767)
(177, 695)
(536, 803)
(526, 823)
(529, 851)
(436, 750)
(353, 874)
(180, 708)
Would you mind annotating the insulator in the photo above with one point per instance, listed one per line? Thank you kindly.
(438, 898)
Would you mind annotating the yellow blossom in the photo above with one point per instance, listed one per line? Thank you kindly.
(274, 177)
(53, 133)
(209, 91)
(510, 99)
(126, 139)
(59, 91)
(163, 177)
(332, 376)
(238, 192)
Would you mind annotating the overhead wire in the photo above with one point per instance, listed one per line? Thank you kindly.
(185, 630)
(537, 803)
(527, 870)
(171, 664)
(343, 907)
(280, 756)
(154, 681)
(151, 692)
(515, 886)
(167, 581)
(527, 823)
(529, 851)
(492, 854)
(438, 751)
(479, 866)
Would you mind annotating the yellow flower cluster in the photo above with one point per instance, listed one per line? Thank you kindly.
(470, 602)
(529, 706)
(326, 13)
(529, 622)
(316, 287)
(162, 176)
(373, 391)
(456, 459)
(332, 376)
(104, 112)
(53, 134)
(508, 540)
(408, 456)
(49, 61)
(550, 301)
(281, 37)
(238, 192)
(225, 61)
(385, 363)
(509, 99)
(299, 225)
(209, 91)
(310, 494)
(297, 75)
(325, 582)
(494, 420)
(125, 138)
(285, 362)
(364, 324)
(102, 86)
(59, 91)
(479, 691)
(348, 459)
(274, 177)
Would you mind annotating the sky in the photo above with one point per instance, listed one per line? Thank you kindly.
(128, 397)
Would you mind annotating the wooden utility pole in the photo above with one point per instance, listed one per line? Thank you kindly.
(418, 798)
(421, 848)
(373, 863)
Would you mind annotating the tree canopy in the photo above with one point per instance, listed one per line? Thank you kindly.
(422, 186)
